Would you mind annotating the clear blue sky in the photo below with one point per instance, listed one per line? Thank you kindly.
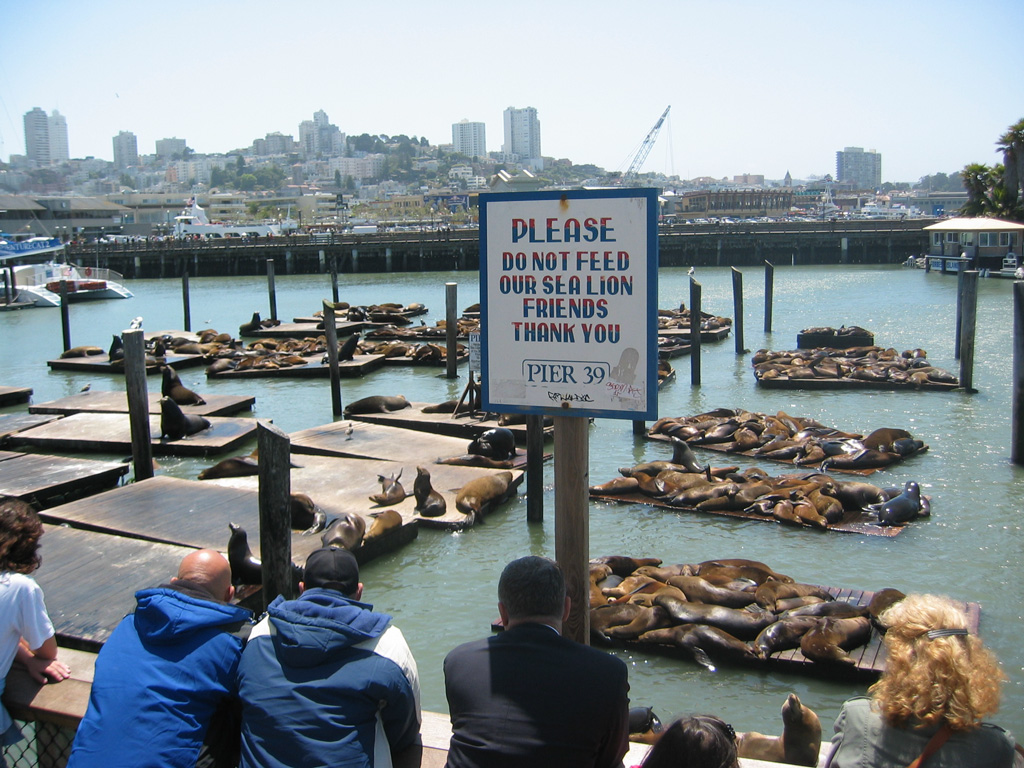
(755, 87)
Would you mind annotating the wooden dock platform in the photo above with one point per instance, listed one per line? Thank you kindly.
(465, 425)
(95, 401)
(341, 485)
(47, 480)
(14, 395)
(111, 433)
(706, 337)
(12, 423)
(102, 364)
(359, 365)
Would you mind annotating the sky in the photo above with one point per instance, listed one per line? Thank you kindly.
(754, 87)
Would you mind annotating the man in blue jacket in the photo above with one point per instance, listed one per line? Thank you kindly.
(324, 679)
(165, 671)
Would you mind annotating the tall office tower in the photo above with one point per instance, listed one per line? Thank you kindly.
(126, 150)
(469, 139)
(307, 139)
(37, 136)
(167, 148)
(58, 126)
(860, 168)
(522, 136)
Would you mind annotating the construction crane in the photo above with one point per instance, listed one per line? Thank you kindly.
(645, 149)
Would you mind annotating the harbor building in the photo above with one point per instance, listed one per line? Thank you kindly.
(859, 169)
(469, 139)
(126, 150)
(522, 137)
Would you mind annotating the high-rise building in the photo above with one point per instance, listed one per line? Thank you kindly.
(469, 139)
(37, 136)
(167, 148)
(58, 126)
(863, 170)
(522, 136)
(126, 150)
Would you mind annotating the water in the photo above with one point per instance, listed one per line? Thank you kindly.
(442, 587)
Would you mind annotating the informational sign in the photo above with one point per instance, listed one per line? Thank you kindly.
(568, 314)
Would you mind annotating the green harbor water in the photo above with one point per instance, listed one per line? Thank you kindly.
(441, 588)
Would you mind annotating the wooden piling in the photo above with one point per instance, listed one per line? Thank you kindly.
(1017, 410)
(334, 278)
(695, 304)
(968, 327)
(185, 300)
(134, 341)
(534, 468)
(572, 520)
(275, 512)
(769, 289)
(451, 328)
(271, 289)
(331, 332)
(959, 321)
(65, 315)
(737, 310)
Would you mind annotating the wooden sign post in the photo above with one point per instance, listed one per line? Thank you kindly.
(568, 320)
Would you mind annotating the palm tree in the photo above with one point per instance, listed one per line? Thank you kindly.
(1012, 145)
(976, 178)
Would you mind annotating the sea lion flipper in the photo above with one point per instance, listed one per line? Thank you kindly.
(319, 522)
(702, 658)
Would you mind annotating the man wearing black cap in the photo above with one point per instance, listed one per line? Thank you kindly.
(324, 679)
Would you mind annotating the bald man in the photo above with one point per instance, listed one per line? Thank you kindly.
(166, 672)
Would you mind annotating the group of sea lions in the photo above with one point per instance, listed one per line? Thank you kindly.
(389, 312)
(729, 609)
(464, 326)
(803, 441)
(681, 320)
(867, 364)
(811, 499)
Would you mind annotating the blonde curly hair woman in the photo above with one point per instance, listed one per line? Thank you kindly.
(939, 682)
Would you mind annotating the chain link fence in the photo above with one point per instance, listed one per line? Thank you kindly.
(45, 745)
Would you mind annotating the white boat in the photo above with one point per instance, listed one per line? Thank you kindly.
(193, 222)
(40, 284)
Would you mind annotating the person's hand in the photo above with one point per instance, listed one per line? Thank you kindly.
(45, 670)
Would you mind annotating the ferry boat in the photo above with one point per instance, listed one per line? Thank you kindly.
(40, 284)
(193, 222)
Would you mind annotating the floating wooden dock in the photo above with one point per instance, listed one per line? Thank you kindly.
(14, 395)
(111, 433)
(854, 385)
(117, 402)
(12, 423)
(340, 485)
(684, 334)
(47, 480)
(852, 522)
(464, 425)
(102, 364)
(359, 365)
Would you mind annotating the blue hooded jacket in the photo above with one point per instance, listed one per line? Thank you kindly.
(325, 681)
(158, 680)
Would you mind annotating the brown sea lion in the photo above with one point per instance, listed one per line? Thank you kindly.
(617, 485)
(235, 466)
(623, 566)
(306, 515)
(799, 743)
(377, 404)
(84, 351)
(770, 592)
(752, 572)
(175, 425)
(172, 387)
(625, 621)
(345, 531)
(829, 642)
(700, 590)
(392, 491)
(482, 491)
(783, 635)
(597, 573)
(383, 522)
(429, 502)
(882, 601)
(347, 349)
(665, 572)
(837, 609)
(632, 584)
(704, 642)
(741, 623)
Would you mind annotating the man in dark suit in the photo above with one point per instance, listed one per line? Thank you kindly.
(530, 697)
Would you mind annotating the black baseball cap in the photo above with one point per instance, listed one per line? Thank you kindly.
(332, 568)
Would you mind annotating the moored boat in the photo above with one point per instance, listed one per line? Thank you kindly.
(40, 284)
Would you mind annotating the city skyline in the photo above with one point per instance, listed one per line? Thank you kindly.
(754, 88)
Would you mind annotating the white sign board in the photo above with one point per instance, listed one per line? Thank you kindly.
(568, 308)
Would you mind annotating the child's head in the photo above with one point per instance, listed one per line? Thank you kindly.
(20, 530)
(701, 741)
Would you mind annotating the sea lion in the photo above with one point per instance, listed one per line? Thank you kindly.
(252, 326)
(116, 351)
(429, 502)
(829, 641)
(741, 623)
(306, 515)
(901, 509)
(799, 743)
(616, 485)
(175, 425)
(683, 456)
(383, 523)
(857, 495)
(626, 621)
(880, 602)
(837, 609)
(623, 566)
(392, 491)
(84, 351)
(246, 568)
(755, 573)
(483, 491)
(597, 573)
(704, 642)
(377, 404)
(665, 572)
(345, 531)
(498, 443)
(769, 593)
(783, 635)
(347, 350)
(644, 726)
(700, 590)
(172, 387)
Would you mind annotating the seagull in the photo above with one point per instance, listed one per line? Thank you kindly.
(348, 432)
(86, 387)
(135, 324)
(691, 272)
